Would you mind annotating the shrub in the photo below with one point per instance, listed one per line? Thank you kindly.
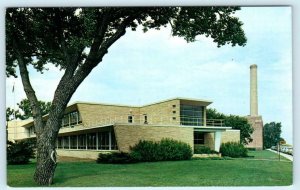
(166, 149)
(203, 150)
(233, 149)
(116, 158)
(20, 152)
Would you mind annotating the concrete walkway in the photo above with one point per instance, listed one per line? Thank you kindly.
(290, 157)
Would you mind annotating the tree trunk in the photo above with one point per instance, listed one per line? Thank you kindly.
(46, 158)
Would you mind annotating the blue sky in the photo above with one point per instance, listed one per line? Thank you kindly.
(147, 67)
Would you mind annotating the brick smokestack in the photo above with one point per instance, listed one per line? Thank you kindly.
(253, 91)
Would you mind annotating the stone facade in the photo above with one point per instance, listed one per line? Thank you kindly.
(90, 154)
(95, 114)
(227, 136)
(129, 135)
(231, 136)
(257, 123)
(15, 131)
(163, 112)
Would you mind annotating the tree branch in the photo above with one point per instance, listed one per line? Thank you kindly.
(30, 93)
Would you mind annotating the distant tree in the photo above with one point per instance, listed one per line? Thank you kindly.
(272, 132)
(234, 121)
(77, 39)
(24, 110)
(10, 114)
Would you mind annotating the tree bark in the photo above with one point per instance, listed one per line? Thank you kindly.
(46, 159)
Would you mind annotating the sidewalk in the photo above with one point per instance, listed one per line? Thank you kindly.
(290, 157)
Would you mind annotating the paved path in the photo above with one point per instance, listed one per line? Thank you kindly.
(290, 157)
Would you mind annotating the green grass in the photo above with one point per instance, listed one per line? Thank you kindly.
(236, 172)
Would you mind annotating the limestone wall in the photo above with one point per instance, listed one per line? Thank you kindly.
(129, 135)
(90, 154)
(163, 113)
(93, 114)
(230, 136)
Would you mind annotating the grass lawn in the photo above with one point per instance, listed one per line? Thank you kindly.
(255, 171)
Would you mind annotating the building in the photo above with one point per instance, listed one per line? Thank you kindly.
(90, 128)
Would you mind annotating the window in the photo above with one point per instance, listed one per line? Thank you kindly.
(146, 119)
(72, 118)
(91, 141)
(174, 118)
(103, 140)
(66, 142)
(73, 142)
(31, 131)
(191, 115)
(82, 141)
(130, 119)
(174, 106)
(66, 120)
(198, 137)
(59, 142)
(174, 112)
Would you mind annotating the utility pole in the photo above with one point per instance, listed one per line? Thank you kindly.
(278, 149)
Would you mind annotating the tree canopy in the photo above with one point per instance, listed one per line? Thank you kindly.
(234, 121)
(24, 110)
(271, 134)
(62, 35)
(77, 39)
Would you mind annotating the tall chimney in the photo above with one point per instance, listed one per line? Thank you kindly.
(253, 90)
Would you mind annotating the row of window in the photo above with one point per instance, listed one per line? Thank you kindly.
(191, 115)
(72, 118)
(130, 119)
(90, 141)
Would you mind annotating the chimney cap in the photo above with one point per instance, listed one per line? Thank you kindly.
(253, 66)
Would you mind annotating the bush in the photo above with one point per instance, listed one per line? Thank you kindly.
(166, 149)
(20, 152)
(116, 158)
(233, 149)
(203, 150)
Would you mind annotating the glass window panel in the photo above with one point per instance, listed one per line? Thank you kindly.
(91, 141)
(73, 142)
(59, 142)
(82, 141)
(73, 118)
(103, 140)
(113, 141)
(191, 115)
(198, 138)
(66, 142)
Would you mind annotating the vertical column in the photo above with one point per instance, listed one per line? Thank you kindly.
(69, 137)
(97, 140)
(204, 115)
(109, 139)
(253, 90)
(62, 142)
(217, 140)
(77, 141)
(86, 140)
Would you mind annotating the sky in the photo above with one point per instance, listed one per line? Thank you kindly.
(142, 68)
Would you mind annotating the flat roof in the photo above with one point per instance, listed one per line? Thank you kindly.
(206, 102)
(202, 101)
